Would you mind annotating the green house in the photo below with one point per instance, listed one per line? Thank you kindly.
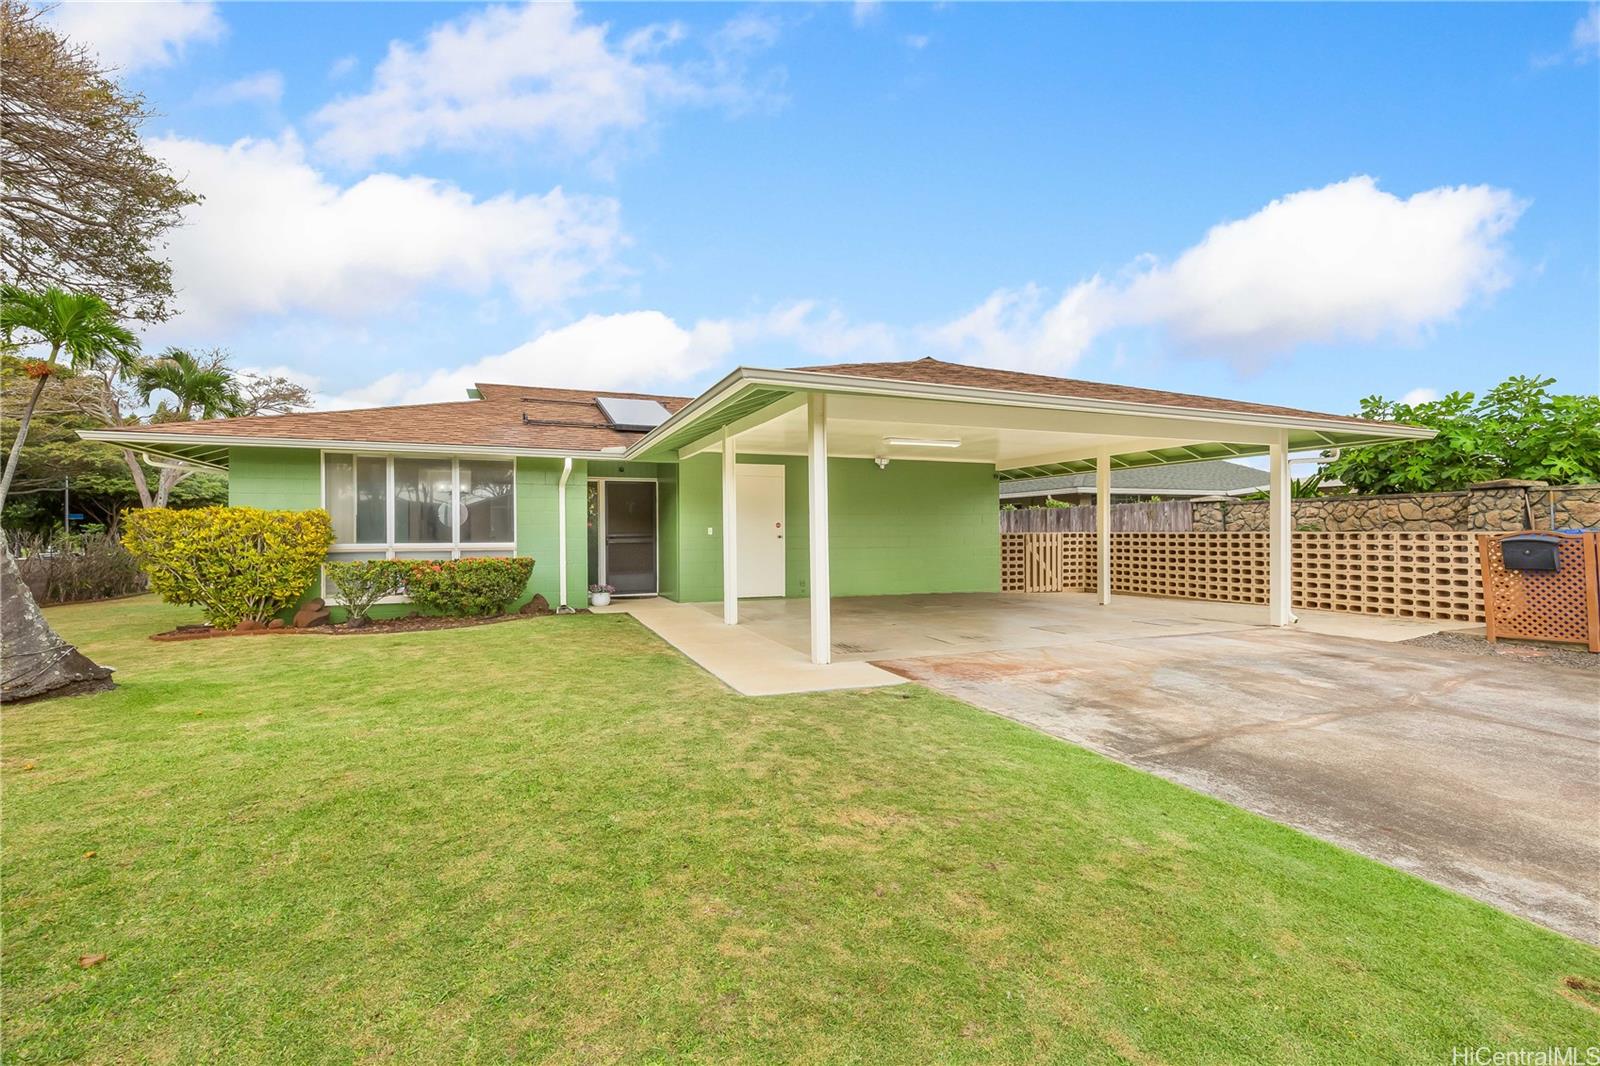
(853, 480)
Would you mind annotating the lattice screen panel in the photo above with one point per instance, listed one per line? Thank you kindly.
(1421, 575)
(1560, 604)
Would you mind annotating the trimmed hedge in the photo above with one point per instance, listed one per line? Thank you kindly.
(232, 562)
(467, 586)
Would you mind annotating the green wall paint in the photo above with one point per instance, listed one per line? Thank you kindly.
(275, 479)
(537, 525)
(913, 527)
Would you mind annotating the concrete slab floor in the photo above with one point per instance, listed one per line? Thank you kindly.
(868, 628)
(1477, 774)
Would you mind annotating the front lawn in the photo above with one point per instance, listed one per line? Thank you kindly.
(556, 838)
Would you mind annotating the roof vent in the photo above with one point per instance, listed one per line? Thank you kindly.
(631, 416)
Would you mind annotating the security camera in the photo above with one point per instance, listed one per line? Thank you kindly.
(882, 461)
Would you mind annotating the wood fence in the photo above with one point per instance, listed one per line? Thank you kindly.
(1162, 516)
(1423, 575)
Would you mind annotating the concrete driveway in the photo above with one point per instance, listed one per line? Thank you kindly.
(1478, 774)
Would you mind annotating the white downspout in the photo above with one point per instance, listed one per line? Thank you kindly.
(561, 536)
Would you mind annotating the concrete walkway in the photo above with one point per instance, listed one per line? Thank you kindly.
(740, 656)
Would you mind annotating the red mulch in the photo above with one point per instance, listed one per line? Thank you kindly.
(413, 624)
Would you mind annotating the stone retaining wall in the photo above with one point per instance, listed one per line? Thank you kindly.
(1492, 507)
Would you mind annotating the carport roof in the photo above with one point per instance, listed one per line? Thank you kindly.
(1167, 427)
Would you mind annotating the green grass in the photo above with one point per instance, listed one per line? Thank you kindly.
(558, 839)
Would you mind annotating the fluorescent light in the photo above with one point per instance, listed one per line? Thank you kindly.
(921, 442)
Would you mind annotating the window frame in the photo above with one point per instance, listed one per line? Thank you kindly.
(455, 548)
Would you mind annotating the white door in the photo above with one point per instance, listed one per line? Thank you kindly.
(760, 497)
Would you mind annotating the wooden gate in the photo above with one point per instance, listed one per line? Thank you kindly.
(1560, 605)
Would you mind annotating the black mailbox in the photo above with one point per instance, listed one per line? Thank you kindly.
(1531, 551)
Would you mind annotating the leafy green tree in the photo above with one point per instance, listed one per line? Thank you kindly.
(77, 325)
(86, 203)
(1518, 429)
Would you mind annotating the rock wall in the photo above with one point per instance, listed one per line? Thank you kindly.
(1492, 507)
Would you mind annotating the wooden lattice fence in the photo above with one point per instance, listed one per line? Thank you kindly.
(1158, 516)
(1422, 575)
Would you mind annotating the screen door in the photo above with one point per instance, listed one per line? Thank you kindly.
(630, 537)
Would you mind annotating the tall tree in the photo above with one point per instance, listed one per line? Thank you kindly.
(83, 205)
(77, 325)
(200, 387)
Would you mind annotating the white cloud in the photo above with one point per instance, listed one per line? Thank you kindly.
(1586, 35)
(806, 326)
(133, 36)
(638, 351)
(263, 87)
(1422, 395)
(865, 11)
(342, 67)
(274, 235)
(917, 41)
(633, 351)
(534, 73)
(1344, 262)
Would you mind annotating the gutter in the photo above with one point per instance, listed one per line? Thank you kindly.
(561, 536)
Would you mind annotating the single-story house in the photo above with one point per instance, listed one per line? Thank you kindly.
(851, 480)
(1180, 481)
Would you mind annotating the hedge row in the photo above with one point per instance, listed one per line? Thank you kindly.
(238, 563)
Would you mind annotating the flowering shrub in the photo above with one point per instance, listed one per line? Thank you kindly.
(467, 586)
(232, 562)
(364, 582)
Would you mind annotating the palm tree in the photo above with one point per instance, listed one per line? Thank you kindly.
(77, 325)
(204, 387)
(207, 388)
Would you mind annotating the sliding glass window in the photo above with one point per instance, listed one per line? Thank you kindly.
(406, 507)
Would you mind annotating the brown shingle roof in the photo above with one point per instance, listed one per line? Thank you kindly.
(938, 372)
(560, 419)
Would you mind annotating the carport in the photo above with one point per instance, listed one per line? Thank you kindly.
(1019, 425)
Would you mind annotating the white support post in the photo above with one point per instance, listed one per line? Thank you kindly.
(817, 469)
(1102, 523)
(1280, 587)
(730, 530)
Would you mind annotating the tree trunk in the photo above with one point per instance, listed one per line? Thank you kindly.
(137, 473)
(34, 661)
(22, 435)
(170, 478)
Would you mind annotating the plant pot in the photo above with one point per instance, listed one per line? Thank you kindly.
(599, 599)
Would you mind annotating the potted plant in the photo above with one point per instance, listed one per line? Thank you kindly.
(600, 595)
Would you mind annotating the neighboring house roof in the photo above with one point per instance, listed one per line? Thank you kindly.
(1200, 479)
(938, 372)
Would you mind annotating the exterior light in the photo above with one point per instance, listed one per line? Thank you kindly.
(921, 442)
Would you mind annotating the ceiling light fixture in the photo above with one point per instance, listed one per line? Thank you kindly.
(922, 442)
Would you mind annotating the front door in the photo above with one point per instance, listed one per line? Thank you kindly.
(760, 499)
(630, 537)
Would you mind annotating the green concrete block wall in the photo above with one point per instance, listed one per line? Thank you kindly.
(537, 526)
(275, 479)
(913, 527)
(668, 530)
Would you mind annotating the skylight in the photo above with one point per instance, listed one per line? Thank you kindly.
(634, 416)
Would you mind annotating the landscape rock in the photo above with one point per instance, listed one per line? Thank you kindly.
(277, 623)
(249, 625)
(314, 613)
(34, 661)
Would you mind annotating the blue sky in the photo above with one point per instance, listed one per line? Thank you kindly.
(1299, 204)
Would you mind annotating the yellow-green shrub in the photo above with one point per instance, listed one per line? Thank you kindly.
(232, 562)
